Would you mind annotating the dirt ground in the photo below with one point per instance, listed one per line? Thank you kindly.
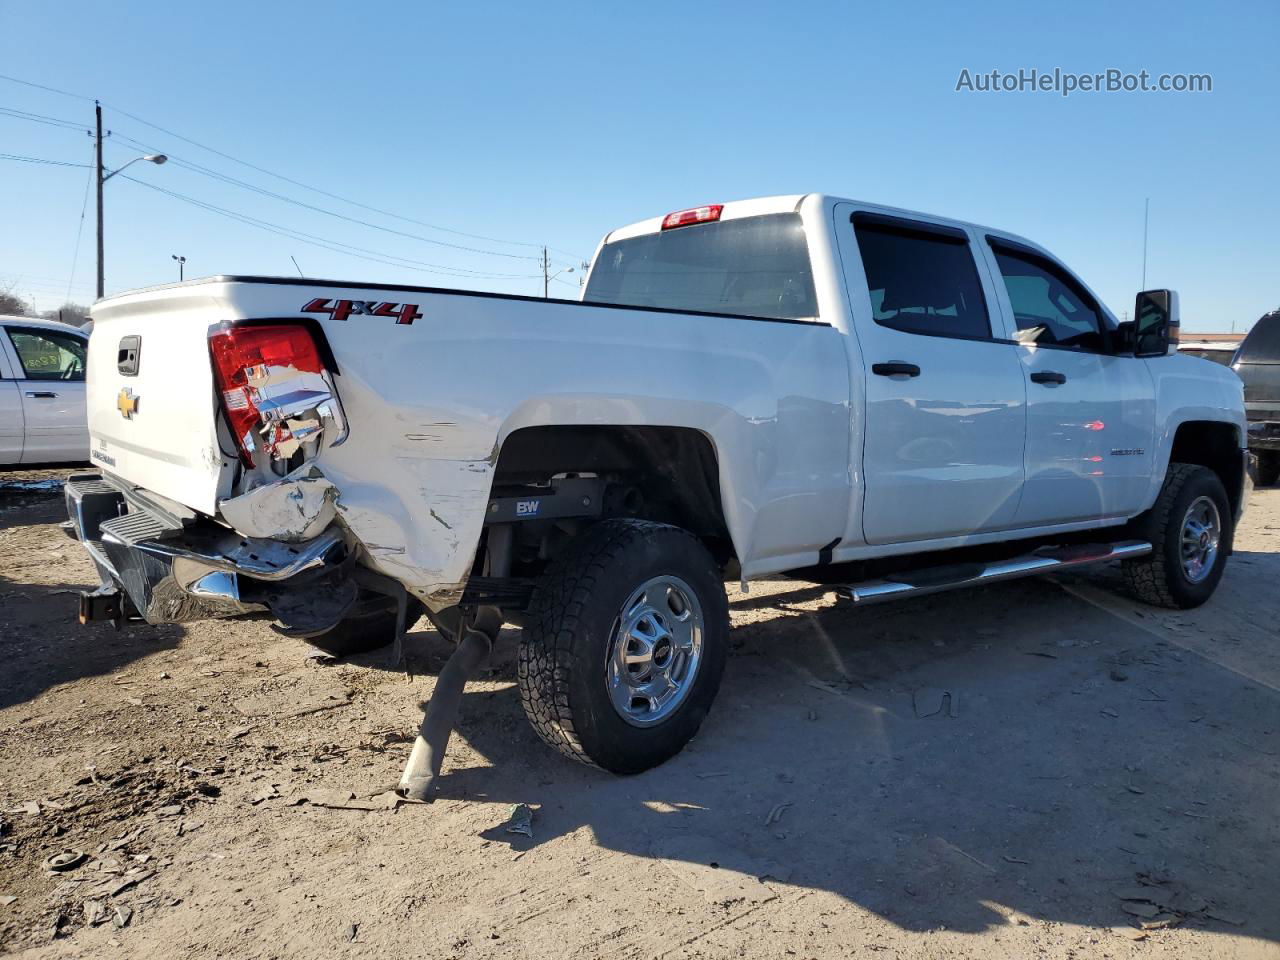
(1040, 768)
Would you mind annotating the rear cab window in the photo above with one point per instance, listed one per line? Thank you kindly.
(748, 266)
(922, 278)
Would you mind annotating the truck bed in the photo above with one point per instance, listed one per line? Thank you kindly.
(433, 381)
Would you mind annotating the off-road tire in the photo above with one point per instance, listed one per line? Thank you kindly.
(1268, 469)
(566, 641)
(1158, 578)
(372, 624)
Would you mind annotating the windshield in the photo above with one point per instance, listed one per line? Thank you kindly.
(752, 266)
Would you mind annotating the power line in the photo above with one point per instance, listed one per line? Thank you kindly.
(198, 168)
(386, 213)
(41, 86)
(335, 246)
(75, 255)
(40, 118)
(52, 163)
(334, 196)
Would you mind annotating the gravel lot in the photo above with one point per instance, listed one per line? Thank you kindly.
(1040, 768)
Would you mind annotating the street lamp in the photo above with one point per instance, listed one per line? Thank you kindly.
(156, 158)
(182, 262)
(546, 280)
(103, 177)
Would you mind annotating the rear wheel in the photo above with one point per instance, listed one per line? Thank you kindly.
(1190, 532)
(624, 646)
(1268, 468)
(371, 624)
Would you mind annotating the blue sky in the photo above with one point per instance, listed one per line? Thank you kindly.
(552, 123)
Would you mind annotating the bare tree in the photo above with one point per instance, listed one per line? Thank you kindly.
(69, 312)
(11, 304)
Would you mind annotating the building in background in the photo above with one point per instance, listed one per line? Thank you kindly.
(1218, 347)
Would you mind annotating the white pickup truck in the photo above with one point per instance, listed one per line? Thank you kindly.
(890, 402)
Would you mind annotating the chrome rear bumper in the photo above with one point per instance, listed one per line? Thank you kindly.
(175, 572)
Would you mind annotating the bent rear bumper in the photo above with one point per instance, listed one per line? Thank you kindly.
(173, 572)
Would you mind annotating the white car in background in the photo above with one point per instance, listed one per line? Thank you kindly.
(42, 414)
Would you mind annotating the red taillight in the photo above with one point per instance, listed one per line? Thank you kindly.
(684, 218)
(245, 360)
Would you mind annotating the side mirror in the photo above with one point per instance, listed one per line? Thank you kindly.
(1156, 323)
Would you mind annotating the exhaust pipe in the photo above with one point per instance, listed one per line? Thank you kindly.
(425, 760)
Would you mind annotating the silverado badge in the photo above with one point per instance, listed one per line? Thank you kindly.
(127, 403)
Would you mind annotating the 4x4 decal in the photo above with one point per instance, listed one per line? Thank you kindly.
(404, 313)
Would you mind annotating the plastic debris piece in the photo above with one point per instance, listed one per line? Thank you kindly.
(776, 813)
(521, 820)
(124, 913)
(95, 912)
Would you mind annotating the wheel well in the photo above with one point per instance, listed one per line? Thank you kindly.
(668, 474)
(1214, 445)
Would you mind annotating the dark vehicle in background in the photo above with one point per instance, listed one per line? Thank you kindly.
(1257, 362)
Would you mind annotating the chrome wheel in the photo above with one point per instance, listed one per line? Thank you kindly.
(1201, 533)
(655, 651)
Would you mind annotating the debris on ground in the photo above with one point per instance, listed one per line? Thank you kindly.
(776, 813)
(932, 701)
(347, 800)
(68, 860)
(1159, 902)
(521, 820)
(266, 792)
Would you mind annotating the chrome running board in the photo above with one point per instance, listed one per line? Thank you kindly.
(937, 579)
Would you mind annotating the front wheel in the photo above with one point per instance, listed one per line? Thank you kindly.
(1190, 532)
(624, 646)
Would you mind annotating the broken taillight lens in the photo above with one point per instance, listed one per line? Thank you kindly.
(273, 385)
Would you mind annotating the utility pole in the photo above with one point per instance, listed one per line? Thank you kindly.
(97, 111)
(546, 274)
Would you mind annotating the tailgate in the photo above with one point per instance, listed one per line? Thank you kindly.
(152, 407)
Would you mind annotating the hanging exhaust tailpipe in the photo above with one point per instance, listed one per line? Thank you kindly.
(423, 769)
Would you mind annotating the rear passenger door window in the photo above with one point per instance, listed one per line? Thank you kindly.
(1049, 306)
(922, 279)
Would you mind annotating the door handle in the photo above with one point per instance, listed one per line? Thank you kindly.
(42, 395)
(1048, 376)
(895, 369)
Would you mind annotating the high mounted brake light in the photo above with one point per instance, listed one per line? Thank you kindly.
(276, 392)
(685, 218)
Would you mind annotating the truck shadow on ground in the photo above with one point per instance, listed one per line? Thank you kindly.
(42, 644)
(965, 762)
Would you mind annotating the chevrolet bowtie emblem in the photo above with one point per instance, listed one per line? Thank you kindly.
(127, 403)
